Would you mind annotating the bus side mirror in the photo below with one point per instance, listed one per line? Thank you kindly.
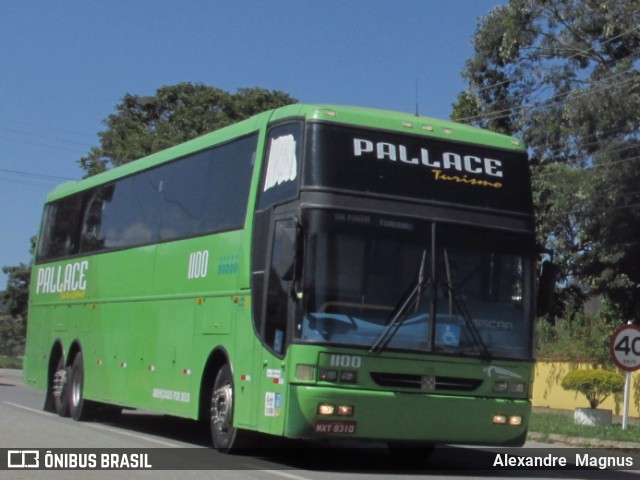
(546, 287)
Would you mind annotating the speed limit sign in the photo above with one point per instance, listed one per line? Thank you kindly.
(625, 347)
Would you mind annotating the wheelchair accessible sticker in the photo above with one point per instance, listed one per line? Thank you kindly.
(447, 334)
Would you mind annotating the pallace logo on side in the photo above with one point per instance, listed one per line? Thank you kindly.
(452, 167)
(69, 280)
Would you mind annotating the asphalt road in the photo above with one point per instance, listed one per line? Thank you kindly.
(23, 425)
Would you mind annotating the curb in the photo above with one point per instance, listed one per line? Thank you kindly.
(582, 442)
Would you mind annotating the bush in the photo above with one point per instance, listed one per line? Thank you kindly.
(582, 338)
(12, 335)
(594, 384)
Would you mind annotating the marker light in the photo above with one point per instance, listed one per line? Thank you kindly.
(305, 372)
(326, 409)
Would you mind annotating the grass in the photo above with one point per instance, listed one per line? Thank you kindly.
(547, 424)
(10, 362)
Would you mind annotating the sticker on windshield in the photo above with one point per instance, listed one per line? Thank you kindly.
(448, 335)
(282, 162)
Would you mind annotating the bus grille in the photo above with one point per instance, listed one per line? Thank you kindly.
(425, 383)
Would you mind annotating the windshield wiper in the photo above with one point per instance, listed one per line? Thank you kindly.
(473, 329)
(399, 314)
(454, 299)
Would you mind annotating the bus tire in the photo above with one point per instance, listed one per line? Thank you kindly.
(80, 409)
(57, 398)
(225, 437)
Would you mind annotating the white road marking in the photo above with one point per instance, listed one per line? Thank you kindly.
(101, 427)
(290, 476)
(32, 410)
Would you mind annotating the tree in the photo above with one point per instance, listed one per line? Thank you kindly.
(15, 300)
(564, 75)
(143, 125)
(146, 124)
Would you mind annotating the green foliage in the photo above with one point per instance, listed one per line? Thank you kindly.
(10, 362)
(143, 125)
(565, 76)
(596, 385)
(558, 424)
(16, 296)
(466, 108)
(14, 308)
(580, 339)
(12, 335)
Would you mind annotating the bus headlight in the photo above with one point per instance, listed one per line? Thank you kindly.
(347, 376)
(515, 420)
(329, 375)
(345, 410)
(326, 409)
(500, 419)
(518, 387)
(500, 387)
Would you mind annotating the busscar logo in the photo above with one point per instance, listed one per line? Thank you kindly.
(23, 459)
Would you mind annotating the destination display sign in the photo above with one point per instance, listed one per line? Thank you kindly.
(394, 164)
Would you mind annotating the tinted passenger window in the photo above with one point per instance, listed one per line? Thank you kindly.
(203, 193)
(206, 192)
(122, 214)
(60, 234)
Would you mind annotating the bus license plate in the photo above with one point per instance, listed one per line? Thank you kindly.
(345, 427)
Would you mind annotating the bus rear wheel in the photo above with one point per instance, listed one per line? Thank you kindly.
(57, 399)
(79, 408)
(224, 435)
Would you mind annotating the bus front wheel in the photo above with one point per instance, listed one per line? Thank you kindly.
(225, 436)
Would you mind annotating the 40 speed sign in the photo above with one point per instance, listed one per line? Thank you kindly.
(625, 347)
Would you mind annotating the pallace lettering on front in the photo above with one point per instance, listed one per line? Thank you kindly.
(449, 161)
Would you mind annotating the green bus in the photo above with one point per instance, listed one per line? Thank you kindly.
(312, 272)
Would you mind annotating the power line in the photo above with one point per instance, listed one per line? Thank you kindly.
(552, 101)
(38, 144)
(39, 176)
(631, 30)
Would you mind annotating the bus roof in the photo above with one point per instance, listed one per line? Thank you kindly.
(365, 117)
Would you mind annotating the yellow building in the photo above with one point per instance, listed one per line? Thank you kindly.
(548, 393)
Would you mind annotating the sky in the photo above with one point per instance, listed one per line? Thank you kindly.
(65, 65)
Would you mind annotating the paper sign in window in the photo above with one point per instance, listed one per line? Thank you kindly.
(282, 164)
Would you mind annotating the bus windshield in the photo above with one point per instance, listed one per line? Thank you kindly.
(378, 282)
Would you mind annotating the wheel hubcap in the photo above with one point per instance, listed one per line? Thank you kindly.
(221, 405)
(59, 379)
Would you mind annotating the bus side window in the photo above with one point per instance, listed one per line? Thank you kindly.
(61, 229)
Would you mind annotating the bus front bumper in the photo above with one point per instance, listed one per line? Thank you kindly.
(323, 412)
